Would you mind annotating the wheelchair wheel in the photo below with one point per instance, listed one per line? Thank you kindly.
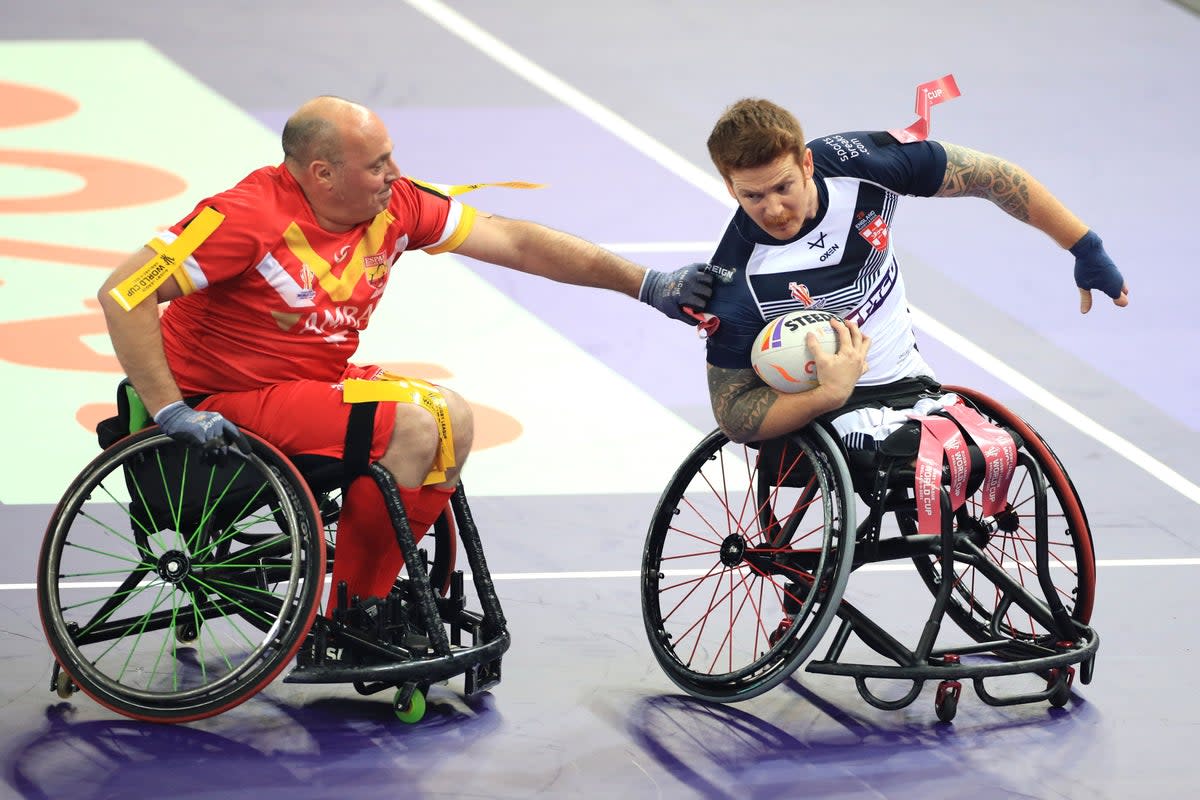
(745, 562)
(170, 590)
(977, 605)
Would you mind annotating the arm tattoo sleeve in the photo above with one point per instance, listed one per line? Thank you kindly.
(970, 173)
(740, 401)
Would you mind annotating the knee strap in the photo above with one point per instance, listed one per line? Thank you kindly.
(417, 392)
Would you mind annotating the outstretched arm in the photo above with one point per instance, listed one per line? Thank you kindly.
(970, 173)
(538, 250)
(748, 410)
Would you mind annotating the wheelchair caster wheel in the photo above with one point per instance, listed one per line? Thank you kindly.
(946, 702)
(409, 704)
(64, 687)
(1060, 681)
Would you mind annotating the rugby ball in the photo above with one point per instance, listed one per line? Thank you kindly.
(780, 355)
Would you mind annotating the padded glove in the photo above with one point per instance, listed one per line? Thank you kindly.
(669, 292)
(212, 433)
(1095, 270)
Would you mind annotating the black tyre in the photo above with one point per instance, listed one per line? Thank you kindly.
(147, 543)
(977, 605)
(742, 536)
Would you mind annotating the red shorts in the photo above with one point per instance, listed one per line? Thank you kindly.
(300, 417)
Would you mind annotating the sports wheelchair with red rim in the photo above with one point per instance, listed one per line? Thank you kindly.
(751, 546)
(171, 589)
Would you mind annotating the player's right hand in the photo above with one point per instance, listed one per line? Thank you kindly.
(671, 292)
(212, 433)
(840, 371)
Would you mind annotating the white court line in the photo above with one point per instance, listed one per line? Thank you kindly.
(618, 126)
(633, 573)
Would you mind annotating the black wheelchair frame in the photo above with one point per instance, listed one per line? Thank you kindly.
(171, 590)
(745, 531)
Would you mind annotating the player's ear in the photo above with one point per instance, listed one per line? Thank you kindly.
(321, 171)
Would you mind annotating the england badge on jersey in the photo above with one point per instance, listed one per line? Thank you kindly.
(871, 227)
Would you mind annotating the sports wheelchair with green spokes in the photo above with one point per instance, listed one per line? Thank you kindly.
(751, 547)
(171, 589)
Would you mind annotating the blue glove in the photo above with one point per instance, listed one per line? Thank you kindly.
(213, 434)
(1095, 270)
(669, 292)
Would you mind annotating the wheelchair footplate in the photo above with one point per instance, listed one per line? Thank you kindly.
(379, 643)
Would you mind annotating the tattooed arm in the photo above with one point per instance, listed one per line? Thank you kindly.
(749, 411)
(970, 173)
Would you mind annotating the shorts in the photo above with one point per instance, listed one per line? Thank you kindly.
(865, 428)
(302, 416)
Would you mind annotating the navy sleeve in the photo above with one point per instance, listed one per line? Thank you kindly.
(732, 303)
(916, 168)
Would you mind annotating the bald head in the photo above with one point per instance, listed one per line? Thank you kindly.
(319, 129)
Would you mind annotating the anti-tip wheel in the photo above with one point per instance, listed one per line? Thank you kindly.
(410, 709)
(946, 702)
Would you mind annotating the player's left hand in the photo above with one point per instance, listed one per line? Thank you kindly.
(669, 292)
(1095, 270)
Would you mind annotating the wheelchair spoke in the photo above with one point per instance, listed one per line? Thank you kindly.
(218, 576)
(719, 562)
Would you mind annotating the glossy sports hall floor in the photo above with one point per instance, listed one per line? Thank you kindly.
(591, 400)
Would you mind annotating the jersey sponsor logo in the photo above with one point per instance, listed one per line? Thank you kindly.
(820, 243)
(879, 293)
(332, 323)
(871, 227)
(340, 255)
(844, 148)
(723, 274)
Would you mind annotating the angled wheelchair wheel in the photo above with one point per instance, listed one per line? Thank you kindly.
(170, 590)
(745, 562)
(978, 606)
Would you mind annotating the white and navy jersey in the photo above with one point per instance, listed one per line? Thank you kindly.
(842, 261)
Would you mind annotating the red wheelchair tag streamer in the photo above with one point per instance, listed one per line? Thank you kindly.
(999, 455)
(928, 95)
(940, 437)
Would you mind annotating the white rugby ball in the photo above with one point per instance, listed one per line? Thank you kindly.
(780, 355)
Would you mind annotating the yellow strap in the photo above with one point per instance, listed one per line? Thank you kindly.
(418, 392)
(462, 188)
(167, 259)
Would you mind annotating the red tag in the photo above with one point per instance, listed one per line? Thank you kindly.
(706, 324)
(928, 95)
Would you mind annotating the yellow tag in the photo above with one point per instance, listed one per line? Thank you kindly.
(462, 188)
(417, 392)
(168, 258)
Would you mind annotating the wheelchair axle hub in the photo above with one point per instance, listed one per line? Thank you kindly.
(732, 550)
(174, 566)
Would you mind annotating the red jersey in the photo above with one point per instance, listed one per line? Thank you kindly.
(271, 296)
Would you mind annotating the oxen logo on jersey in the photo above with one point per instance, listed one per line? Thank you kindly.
(819, 243)
(871, 227)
